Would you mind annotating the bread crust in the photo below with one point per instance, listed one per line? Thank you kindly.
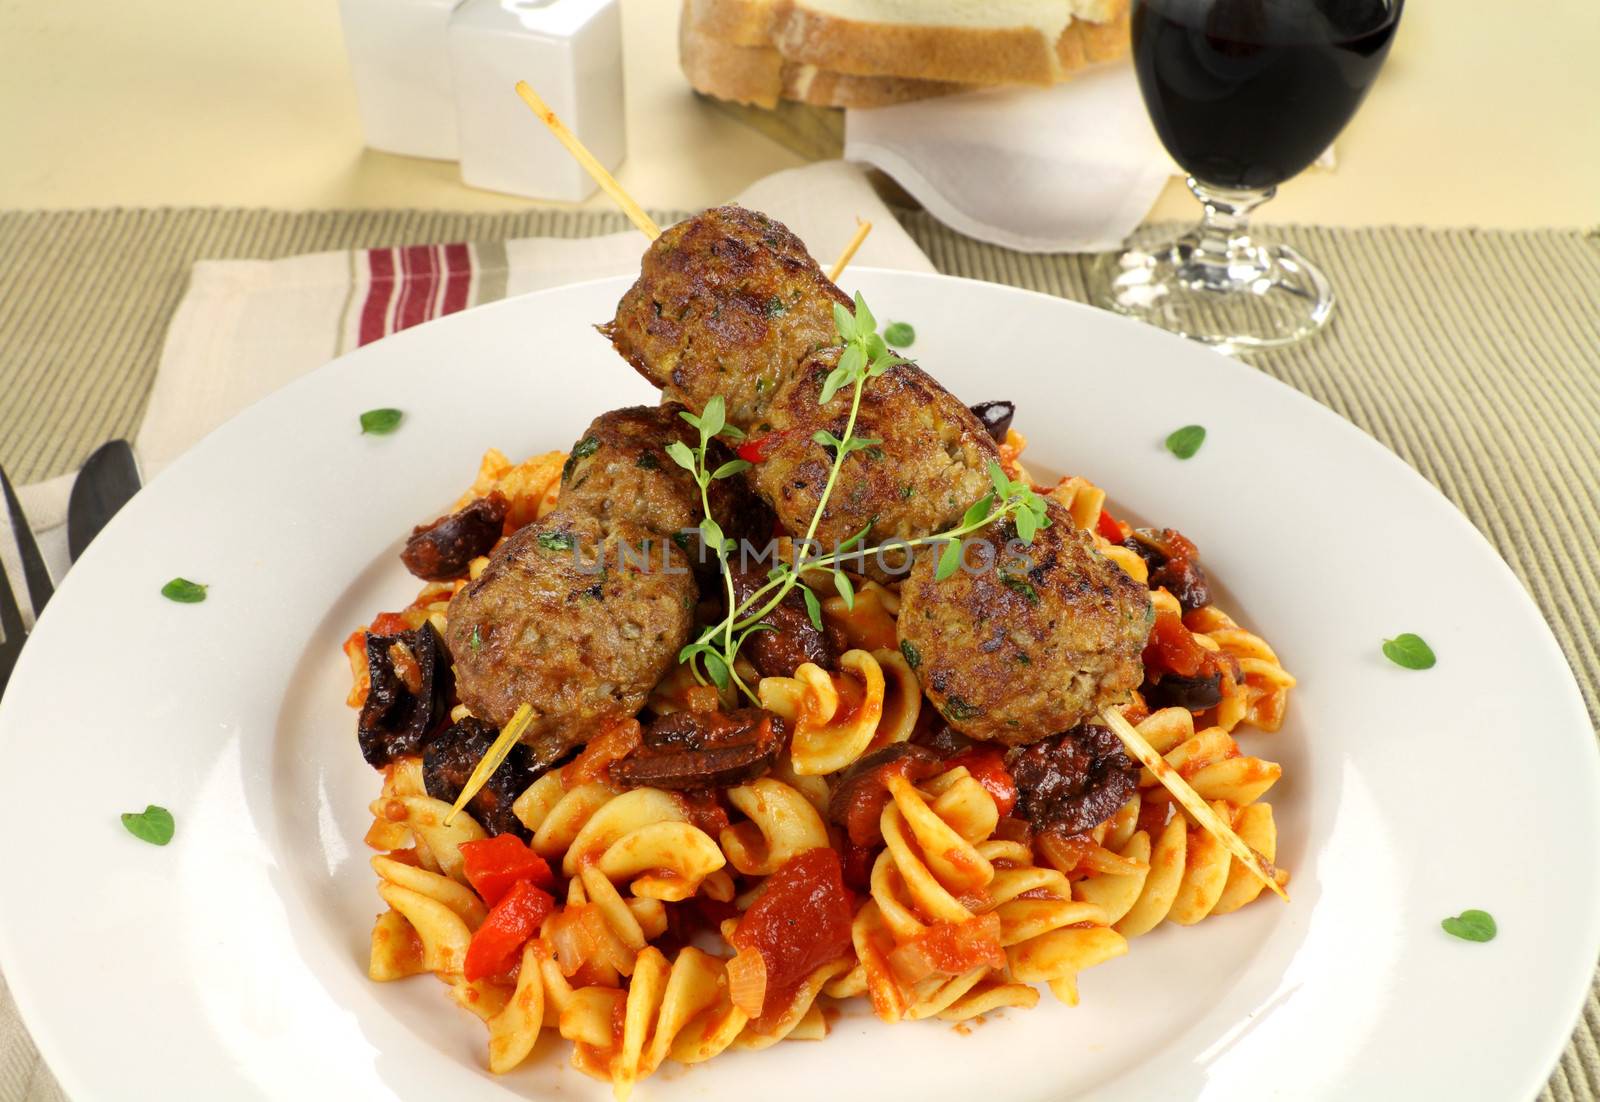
(760, 76)
(954, 54)
(760, 51)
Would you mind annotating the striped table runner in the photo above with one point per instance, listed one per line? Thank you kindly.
(1474, 355)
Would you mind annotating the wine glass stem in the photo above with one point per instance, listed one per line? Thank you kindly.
(1222, 239)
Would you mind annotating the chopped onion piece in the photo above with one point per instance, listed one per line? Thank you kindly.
(747, 981)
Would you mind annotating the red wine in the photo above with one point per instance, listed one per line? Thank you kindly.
(1247, 93)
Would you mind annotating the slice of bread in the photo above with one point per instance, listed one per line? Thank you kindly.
(934, 43)
(760, 76)
(737, 22)
(962, 41)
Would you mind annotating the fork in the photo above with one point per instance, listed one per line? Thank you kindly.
(36, 575)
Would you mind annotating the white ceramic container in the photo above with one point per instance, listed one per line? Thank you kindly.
(570, 51)
(402, 74)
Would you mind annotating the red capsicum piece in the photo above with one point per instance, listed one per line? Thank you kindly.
(1111, 528)
(759, 449)
(1172, 648)
(494, 865)
(510, 924)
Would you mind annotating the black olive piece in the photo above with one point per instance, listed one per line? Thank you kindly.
(1173, 563)
(443, 550)
(996, 417)
(394, 720)
(1194, 693)
(448, 762)
(1072, 782)
(684, 750)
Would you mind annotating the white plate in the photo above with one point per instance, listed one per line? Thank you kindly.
(231, 964)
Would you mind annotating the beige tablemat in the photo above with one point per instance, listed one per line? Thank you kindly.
(1474, 355)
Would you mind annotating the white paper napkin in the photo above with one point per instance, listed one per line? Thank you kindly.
(1073, 168)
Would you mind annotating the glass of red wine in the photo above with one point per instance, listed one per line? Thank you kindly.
(1244, 94)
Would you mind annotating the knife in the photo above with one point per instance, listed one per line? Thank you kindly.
(33, 569)
(108, 479)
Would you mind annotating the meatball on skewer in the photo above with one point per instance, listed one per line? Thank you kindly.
(730, 303)
(580, 614)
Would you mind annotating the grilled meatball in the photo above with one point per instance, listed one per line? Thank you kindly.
(931, 464)
(582, 645)
(619, 470)
(580, 614)
(728, 302)
(1014, 651)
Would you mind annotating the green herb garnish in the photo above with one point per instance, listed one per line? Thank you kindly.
(1021, 586)
(1409, 651)
(1184, 442)
(477, 640)
(153, 824)
(557, 541)
(957, 709)
(864, 355)
(900, 334)
(913, 655)
(583, 449)
(184, 591)
(647, 461)
(381, 422)
(1471, 926)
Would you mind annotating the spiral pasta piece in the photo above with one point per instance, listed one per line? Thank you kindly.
(771, 1028)
(782, 823)
(1209, 759)
(641, 837)
(868, 622)
(941, 870)
(1184, 874)
(1261, 696)
(833, 717)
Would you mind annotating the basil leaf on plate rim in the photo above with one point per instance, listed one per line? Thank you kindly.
(154, 824)
(381, 422)
(1471, 925)
(1410, 651)
(184, 591)
(900, 334)
(1184, 442)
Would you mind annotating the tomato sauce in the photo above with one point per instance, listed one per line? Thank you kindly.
(594, 763)
(955, 948)
(1172, 647)
(800, 922)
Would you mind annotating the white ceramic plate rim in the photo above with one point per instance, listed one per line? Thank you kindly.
(1427, 1015)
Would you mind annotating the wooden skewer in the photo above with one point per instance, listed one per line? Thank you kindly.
(1190, 799)
(498, 751)
(608, 183)
(862, 229)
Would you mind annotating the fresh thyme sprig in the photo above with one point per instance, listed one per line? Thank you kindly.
(712, 422)
(863, 355)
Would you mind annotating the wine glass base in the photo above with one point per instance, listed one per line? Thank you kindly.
(1253, 296)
